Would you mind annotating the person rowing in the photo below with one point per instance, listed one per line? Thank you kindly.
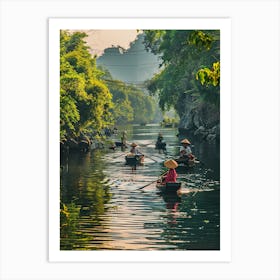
(134, 157)
(160, 138)
(124, 138)
(185, 151)
(171, 176)
(135, 151)
(160, 144)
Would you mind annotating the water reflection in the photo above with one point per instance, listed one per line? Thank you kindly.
(172, 202)
(103, 208)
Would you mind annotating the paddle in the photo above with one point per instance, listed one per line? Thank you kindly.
(147, 185)
(151, 158)
(152, 181)
(118, 156)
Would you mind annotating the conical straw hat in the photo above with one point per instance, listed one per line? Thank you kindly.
(185, 141)
(133, 145)
(171, 163)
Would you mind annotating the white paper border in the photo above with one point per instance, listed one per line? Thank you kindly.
(222, 255)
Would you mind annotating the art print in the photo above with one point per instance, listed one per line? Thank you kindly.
(139, 133)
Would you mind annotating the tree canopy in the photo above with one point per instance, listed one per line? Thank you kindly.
(85, 101)
(131, 104)
(190, 66)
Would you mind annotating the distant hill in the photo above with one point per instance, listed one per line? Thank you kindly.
(134, 65)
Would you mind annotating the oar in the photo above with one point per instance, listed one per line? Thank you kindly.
(147, 185)
(145, 145)
(118, 156)
(151, 158)
(152, 181)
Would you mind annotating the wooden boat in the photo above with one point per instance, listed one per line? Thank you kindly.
(171, 188)
(186, 162)
(120, 144)
(133, 160)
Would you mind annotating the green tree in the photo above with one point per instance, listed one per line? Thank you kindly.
(85, 100)
(185, 55)
(131, 105)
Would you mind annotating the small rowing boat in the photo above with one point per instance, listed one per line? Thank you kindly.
(120, 144)
(186, 162)
(169, 187)
(133, 160)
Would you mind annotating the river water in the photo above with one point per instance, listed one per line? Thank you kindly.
(106, 210)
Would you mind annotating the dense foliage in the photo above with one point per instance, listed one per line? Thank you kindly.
(190, 66)
(85, 101)
(131, 104)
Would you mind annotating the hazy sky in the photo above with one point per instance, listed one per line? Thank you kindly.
(99, 40)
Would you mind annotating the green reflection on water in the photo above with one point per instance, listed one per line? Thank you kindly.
(83, 195)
